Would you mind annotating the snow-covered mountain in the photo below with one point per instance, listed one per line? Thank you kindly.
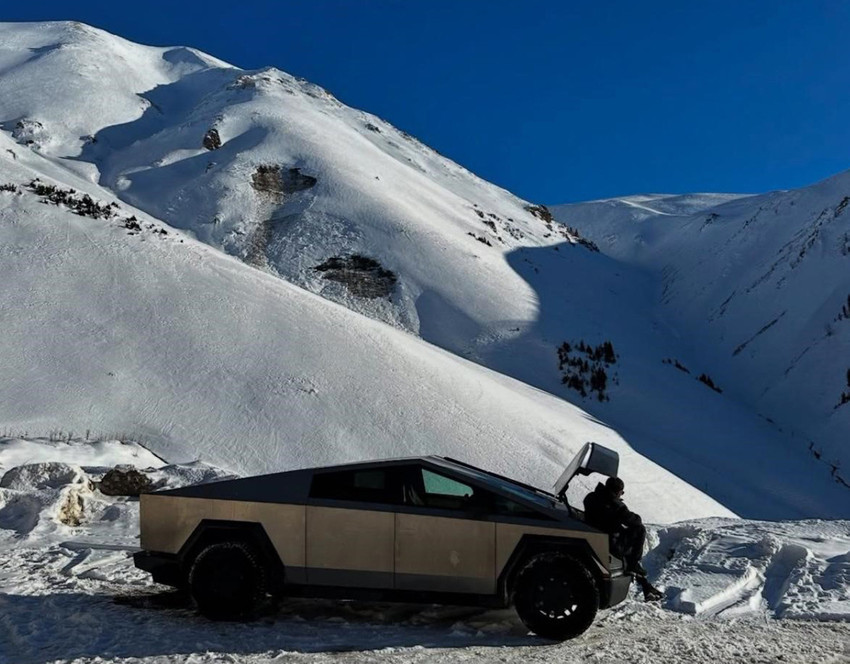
(116, 324)
(276, 172)
(758, 288)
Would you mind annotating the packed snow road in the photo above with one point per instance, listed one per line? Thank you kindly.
(90, 605)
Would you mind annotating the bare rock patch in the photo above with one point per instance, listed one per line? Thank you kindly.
(277, 181)
(125, 481)
(212, 140)
(363, 276)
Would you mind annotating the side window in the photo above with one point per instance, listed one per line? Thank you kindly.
(367, 486)
(429, 489)
(439, 485)
(426, 488)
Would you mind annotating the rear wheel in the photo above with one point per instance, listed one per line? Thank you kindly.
(227, 580)
(556, 596)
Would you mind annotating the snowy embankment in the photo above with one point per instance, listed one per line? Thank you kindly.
(68, 589)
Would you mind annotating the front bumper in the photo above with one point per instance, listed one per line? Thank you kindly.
(618, 589)
(165, 568)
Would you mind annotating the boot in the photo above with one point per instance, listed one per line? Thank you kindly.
(636, 569)
(650, 592)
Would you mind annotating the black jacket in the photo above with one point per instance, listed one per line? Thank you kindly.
(605, 511)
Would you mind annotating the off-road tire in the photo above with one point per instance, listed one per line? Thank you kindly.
(556, 596)
(228, 580)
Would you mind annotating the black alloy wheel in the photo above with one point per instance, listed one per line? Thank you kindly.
(556, 596)
(227, 580)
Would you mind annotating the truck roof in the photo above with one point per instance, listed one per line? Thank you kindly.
(294, 485)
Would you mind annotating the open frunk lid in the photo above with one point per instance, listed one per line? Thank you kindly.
(592, 458)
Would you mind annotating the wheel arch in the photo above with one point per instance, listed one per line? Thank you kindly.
(214, 531)
(532, 545)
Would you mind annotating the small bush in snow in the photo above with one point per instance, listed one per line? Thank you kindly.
(84, 205)
(483, 240)
(845, 396)
(9, 187)
(845, 311)
(677, 364)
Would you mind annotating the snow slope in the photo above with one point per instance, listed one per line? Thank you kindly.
(295, 179)
(758, 288)
(378, 191)
(70, 50)
(110, 329)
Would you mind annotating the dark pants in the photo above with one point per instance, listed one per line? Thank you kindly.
(628, 545)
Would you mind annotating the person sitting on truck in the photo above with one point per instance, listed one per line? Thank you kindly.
(605, 510)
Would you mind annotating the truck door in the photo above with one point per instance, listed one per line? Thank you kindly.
(443, 540)
(350, 529)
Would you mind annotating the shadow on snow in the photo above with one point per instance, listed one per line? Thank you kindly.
(36, 629)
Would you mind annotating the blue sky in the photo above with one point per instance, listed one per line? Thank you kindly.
(557, 101)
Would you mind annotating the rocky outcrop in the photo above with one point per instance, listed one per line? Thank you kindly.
(29, 132)
(125, 481)
(541, 212)
(363, 276)
(212, 140)
(278, 182)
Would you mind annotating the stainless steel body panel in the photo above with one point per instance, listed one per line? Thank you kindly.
(168, 521)
(445, 554)
(350, 547)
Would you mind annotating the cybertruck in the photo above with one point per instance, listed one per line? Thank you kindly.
(427, 529)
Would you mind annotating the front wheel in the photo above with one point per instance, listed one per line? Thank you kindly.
(227, 580)
(556, 596)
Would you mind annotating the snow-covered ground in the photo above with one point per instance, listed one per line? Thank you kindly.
(69, 591)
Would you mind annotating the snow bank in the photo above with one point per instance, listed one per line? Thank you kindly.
(795, 569)
(44, 500)
(91, 454)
